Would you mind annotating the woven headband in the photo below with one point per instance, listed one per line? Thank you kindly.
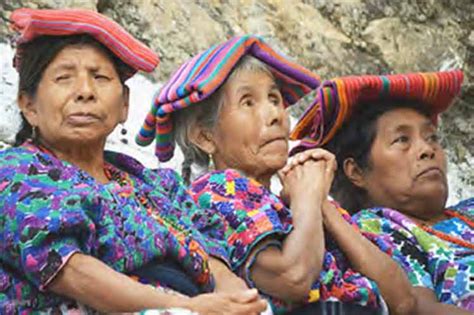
(31, 23)
(199, 77)
(336, 99)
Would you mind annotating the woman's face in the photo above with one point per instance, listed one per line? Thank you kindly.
(253, 127)
(79, 99)
(408, 165)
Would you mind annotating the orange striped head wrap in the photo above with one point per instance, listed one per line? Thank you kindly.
(336, 99)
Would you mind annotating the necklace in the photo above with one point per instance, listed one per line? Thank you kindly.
(450, 238)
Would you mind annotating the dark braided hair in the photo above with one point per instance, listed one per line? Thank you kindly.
(37, 54)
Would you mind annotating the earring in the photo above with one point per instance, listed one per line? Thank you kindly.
(123, 132)
(33, 133)
(211, 162)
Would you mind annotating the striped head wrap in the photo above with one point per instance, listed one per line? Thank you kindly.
(32, 23)
(199, 77)
(335, 100)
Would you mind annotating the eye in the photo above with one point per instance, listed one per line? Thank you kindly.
(433, 138)
(62, 78)
(101, 77)
(401, 139)
(275, 98)
(247, 101)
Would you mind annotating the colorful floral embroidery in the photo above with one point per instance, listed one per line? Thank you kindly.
(51, 210)
(429, 261)
(243, 213)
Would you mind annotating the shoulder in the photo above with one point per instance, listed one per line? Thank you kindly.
(13, 154)
(230, 189)
(24, 159)
(226, 182)
(134, 167)
(466, 205)
(377, 220)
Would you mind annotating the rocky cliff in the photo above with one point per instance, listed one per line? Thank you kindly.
(331, 37)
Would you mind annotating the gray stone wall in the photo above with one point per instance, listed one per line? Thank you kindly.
(331, 37)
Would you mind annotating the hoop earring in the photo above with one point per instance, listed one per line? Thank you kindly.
(123, 132)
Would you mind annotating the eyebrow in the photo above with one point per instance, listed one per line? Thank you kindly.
(274, 87)
(243, 89)
(246, 88)
(405, 127)
(64, 66)
(71, 66)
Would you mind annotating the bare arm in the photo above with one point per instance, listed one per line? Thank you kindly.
(91, 282)
(226, 280)
(288, 273)
(427, 303)
(367, 259)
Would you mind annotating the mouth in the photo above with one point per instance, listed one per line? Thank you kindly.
(82, 118)
(431, 171)
(275, 140)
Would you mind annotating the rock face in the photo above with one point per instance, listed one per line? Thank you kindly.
(331, 37)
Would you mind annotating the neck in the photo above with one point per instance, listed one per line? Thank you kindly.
(264, 180)
(429, 220)
(88, 157)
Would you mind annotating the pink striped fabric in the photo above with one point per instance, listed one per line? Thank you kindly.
(202, 75)
(31, 23)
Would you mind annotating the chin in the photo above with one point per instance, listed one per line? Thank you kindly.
(276, 163)
(436, 195)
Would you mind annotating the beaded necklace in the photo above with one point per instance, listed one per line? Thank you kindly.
(452, 239)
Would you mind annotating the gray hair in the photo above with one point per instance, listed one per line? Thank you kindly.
(206, 114)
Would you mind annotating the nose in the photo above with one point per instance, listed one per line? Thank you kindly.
(85, 89)
(427, 150)
(274, 114)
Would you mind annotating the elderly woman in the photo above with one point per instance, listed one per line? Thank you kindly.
(392, 176)
(83, 230)
(227, 105)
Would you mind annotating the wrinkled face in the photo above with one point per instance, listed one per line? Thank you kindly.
(253, 127)
(408, 166)
(79, 100)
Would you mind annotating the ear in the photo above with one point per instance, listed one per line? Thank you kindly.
(354, 173)
(28, 108)
(202, 138)
(126, 103)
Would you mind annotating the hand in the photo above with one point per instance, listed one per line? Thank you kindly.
(334, 221)
(240, 303)
(308, 175)
(313, 154)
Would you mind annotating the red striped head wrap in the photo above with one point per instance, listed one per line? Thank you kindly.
(32, 23)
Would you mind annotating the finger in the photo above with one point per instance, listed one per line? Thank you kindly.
(322, 155)
(281, 175)
(297, 159)
(287, 168)
(246, 296)
(331, 165)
